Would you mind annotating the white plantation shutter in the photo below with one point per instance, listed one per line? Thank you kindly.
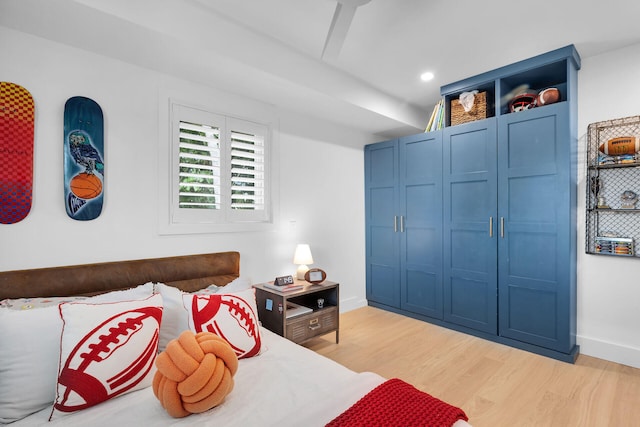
(248, 175)
(199, 163)
(220, 169)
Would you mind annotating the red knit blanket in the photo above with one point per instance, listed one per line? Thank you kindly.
(396, 403)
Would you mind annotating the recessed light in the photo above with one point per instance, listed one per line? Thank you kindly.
(425, 77)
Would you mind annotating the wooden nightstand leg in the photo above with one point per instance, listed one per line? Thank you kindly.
(337, 337)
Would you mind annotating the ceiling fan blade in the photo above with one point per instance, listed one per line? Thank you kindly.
(342, 17)
(340, 24)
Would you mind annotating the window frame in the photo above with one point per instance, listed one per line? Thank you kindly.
(172, 219)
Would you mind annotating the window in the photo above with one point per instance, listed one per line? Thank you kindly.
(219, 168)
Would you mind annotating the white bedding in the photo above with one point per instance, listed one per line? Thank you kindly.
(263, 395)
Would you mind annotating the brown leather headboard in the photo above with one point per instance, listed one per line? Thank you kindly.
(188, 272)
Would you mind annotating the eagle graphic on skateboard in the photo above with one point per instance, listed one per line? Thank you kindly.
(17, 116)
(83, 158)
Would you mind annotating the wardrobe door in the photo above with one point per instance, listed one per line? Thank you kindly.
(421, 223)
(470, 224)
(535, 254)
(382, 223)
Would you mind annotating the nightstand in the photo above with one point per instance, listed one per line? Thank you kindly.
(296, 315)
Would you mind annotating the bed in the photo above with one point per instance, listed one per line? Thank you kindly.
(282, 384)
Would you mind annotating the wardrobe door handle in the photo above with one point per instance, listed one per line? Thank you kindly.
(395, 223)
(502, 227)
(402, 223)
(490, 226)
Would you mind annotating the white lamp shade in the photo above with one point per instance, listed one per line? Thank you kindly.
(303, 255)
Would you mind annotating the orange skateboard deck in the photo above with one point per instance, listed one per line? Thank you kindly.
(17, 117)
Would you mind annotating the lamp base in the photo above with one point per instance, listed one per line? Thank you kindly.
(300, 272)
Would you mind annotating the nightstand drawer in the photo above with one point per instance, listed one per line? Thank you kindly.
(311, 325)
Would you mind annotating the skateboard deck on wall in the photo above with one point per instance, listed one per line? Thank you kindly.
(17, 114)
(83, 158)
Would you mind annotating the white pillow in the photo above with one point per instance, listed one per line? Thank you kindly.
(175, 317)
(237, 285)
(232, 316)
(36, 302)
(29, 360)
(106, 350)
(29, 354)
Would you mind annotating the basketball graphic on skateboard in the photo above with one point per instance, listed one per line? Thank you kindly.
(17, 114)
(83, 158)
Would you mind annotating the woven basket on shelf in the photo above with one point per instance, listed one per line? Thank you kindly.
(477, 112)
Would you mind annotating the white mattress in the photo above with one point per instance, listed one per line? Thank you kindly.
(287, 385)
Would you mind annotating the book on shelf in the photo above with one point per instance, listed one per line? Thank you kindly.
(441, 116)
(436, 121)
(294, 310)
(431, 119)
(283, 288)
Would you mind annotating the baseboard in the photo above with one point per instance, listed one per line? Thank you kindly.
(352, 303)
(609, 351)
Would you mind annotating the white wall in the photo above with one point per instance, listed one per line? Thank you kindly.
(608, 287)
(321, 191)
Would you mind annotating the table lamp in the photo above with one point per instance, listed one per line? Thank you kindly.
(302, 257)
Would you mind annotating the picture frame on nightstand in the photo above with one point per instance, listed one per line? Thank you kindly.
(315, 276)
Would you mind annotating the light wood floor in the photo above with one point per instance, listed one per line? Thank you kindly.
(494, 384)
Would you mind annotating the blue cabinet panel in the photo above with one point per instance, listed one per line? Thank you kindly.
(423, 293)
(421, 270)
(470, 209)
(471, 148)
(383, 243)
(381, 203)
(469, 202)
(421, 159)
(420, 181)
(422, 246)
(535, 255)
(532, 199)
(382, 285)
(468, 304)
(464, 258)
(532, 141)
(420, 208)
(381, 165)
(403, 197)
(537, 322)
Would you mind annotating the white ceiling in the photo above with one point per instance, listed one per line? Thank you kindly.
(272, 50)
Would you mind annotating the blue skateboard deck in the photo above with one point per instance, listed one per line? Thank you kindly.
(83, 158)
(17, 116)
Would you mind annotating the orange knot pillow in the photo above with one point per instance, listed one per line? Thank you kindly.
(195, 373)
